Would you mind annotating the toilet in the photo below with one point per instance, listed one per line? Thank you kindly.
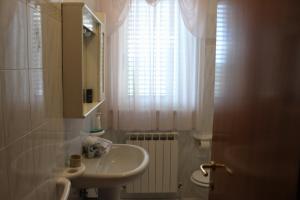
(200, 180)
(204, 142)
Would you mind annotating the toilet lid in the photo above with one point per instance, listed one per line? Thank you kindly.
(198, 178)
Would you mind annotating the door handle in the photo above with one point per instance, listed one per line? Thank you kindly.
(213, 165)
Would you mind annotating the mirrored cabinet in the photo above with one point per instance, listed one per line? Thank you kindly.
(83, 60)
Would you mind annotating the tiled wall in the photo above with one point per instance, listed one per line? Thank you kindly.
(33, 133)
(31, 99)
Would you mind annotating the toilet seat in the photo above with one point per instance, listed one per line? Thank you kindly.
(200, 180)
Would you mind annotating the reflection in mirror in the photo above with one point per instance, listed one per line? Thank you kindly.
(223, 39)
(35, 38)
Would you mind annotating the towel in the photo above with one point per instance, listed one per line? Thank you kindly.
(95, 146)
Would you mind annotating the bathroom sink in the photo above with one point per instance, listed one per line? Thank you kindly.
(122, 164)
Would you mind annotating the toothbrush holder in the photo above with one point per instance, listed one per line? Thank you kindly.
(75, 161)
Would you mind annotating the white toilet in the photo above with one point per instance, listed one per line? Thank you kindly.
(204, 142)
(200, 180)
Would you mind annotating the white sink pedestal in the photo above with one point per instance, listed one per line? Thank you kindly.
(109, 193)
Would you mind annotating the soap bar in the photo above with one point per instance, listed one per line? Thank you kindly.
(96, 130)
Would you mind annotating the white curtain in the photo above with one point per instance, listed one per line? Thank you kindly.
(194, 13)
(116, 12)
(163, 78)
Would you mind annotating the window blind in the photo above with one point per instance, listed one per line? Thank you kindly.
(152, 37)
(36, 38)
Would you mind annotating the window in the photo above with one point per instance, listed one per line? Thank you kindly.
(152, 42)
(156, 68)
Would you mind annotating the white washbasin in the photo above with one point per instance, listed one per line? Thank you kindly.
(121, 165)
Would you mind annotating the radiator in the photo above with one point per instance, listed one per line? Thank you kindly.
(161, 175)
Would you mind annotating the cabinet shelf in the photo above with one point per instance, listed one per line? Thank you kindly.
(90, 107)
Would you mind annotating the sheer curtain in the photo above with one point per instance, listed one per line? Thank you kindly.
(161, 65)
(157, 74)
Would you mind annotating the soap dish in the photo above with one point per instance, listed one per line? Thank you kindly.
(73, 172)
(97, 132)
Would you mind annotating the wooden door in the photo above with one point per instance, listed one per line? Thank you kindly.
(257, 100)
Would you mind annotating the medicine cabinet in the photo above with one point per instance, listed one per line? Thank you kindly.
(83, 60)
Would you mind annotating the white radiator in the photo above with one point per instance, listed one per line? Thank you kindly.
(161, 175)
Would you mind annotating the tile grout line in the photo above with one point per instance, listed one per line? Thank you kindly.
(23, 136)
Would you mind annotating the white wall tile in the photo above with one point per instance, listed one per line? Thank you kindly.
(20, 168)
(37, 97)
(15, 101)
(53, 43)
(13, 35)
